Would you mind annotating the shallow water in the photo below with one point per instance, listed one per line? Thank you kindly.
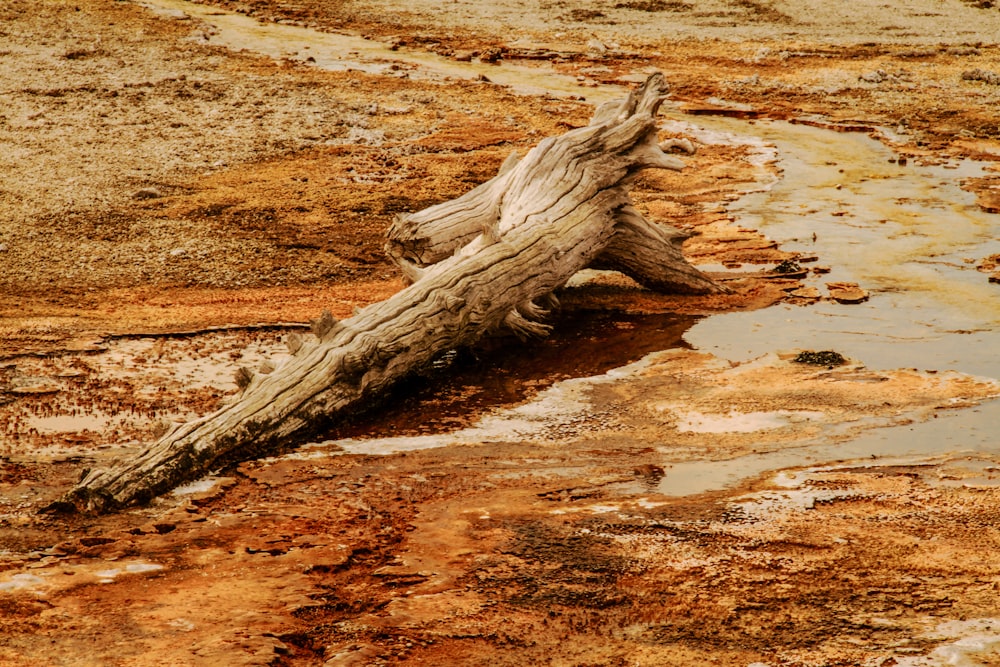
(970, 431)
(506, 372)
(904, 233)
(342, 52)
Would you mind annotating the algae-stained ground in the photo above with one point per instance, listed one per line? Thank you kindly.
(171, 209)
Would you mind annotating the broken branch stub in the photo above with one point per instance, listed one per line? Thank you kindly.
(522, 235)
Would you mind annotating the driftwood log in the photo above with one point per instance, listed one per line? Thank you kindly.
(487, 260)
(647, 252)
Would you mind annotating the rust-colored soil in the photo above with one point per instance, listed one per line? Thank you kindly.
(171, 209)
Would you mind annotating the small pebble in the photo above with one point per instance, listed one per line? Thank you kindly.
(147, 193)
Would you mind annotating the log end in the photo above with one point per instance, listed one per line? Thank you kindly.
(83, 500)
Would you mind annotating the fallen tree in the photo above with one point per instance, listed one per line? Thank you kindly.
(487, 260)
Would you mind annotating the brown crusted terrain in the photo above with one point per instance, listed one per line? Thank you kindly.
(172, 208)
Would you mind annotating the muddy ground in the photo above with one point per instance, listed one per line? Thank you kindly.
(172, 208)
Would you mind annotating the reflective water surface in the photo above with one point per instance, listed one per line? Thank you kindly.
(910, 236)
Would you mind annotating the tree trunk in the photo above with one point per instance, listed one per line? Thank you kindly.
(514, 240)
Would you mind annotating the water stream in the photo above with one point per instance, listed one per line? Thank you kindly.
(907, 233)
(341, 52)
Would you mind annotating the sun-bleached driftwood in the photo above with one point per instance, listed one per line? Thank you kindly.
(646, 251)
(562, 207)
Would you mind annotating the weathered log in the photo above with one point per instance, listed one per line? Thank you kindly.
(546, 217)
(647, 252)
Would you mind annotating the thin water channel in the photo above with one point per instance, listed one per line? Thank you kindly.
(907, 233)
(340, 52)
